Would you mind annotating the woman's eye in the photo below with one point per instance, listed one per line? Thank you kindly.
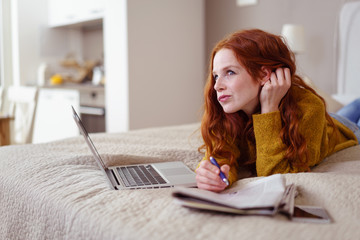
(230, 72)
(216, 77)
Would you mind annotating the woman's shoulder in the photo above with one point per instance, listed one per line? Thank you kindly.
(307, 99)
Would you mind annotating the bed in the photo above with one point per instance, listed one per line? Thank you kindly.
(55, 190)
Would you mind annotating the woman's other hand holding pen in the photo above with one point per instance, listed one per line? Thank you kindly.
(207, 176)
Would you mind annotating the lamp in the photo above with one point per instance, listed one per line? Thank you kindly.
(294, 36)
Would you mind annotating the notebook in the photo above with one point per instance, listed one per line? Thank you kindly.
(139, 176)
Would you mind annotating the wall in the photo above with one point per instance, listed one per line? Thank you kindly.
(319, 18)
(166, 61)
(93, 43)
(154, 62)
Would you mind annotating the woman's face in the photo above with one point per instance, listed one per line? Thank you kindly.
(236, 89)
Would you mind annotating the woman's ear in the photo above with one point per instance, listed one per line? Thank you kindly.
(265, 75)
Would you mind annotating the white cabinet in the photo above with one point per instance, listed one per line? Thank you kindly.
(53, 118)
(75, 12)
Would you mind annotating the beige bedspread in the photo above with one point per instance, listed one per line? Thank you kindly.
(56, 191)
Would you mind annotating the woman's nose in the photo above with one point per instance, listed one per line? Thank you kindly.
(219, 86)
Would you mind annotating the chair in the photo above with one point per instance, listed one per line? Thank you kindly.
(20, 102)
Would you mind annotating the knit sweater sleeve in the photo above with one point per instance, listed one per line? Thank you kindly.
(270, 150)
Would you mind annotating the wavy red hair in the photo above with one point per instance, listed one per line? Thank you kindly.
(221, 131)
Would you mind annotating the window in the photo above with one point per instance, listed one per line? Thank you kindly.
(1, 45)
(5, 43)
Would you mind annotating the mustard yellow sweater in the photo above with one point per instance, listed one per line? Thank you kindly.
(269, 148)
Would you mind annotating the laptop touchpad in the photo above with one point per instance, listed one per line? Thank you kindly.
(175, 171)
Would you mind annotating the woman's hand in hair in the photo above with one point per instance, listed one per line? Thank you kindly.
(274, 90)
(207, 176)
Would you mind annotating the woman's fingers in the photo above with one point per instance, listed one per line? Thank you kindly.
(280, 79)
(275, 89)
(225, 169)
(282, 76)
(287, 76)
(212, 170)
(207, 177)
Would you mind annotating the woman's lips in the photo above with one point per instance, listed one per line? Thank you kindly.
(223, 98)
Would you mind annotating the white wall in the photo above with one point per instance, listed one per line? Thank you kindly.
(116, 65)
(319, 18)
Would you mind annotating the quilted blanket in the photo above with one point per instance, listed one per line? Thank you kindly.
(55, 190)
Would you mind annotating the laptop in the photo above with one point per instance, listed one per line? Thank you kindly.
(140, 176)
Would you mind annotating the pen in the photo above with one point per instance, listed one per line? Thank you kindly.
(222, 175)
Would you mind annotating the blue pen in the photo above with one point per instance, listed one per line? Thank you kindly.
(222, 175)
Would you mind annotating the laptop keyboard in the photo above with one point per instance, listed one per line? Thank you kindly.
(139, 176)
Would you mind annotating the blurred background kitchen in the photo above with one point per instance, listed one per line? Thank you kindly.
(130, 64)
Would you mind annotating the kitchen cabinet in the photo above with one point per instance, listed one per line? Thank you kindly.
(73, 13)
(54, 118)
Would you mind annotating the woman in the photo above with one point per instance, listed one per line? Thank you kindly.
(259, 115)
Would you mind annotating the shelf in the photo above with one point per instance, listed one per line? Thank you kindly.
(79, 13)
(90, 23)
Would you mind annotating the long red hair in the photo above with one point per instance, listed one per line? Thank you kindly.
(221, 131)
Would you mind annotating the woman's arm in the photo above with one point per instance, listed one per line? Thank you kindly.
(271, 150)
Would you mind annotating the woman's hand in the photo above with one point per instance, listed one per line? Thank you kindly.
(207, 176)
(274, 90)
